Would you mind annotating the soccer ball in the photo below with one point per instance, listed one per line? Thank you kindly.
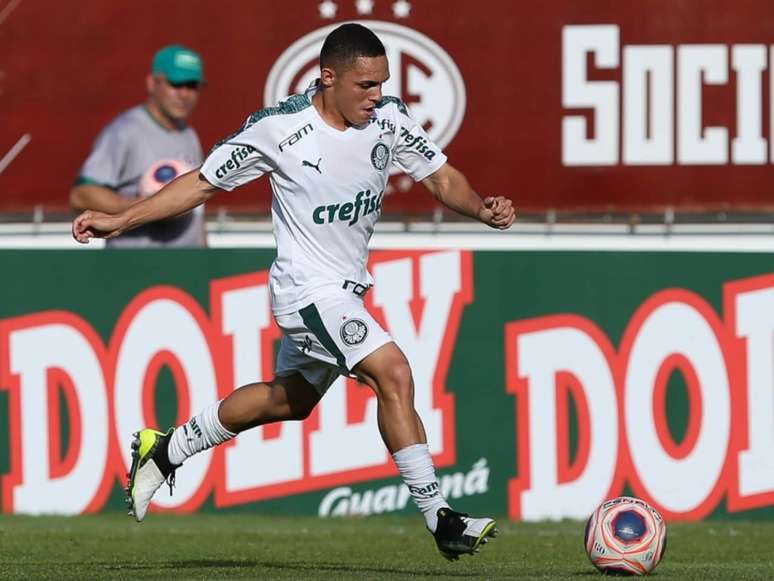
(625, 536)
(159, 174)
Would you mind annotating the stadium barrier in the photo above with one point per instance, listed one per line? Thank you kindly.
(547, 381)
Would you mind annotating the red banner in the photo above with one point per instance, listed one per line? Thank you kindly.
(610, 105)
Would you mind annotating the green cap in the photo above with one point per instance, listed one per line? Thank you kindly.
(178, 64)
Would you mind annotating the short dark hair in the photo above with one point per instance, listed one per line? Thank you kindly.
(347, 43)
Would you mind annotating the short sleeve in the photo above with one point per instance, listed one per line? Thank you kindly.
(415, 153)
(238, 159)
(107, 158)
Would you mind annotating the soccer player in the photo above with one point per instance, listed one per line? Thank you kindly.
(328, 152)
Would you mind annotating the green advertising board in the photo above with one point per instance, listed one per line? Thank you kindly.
(547, 381)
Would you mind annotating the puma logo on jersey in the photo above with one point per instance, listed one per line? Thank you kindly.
(310, 164)
(350, 212)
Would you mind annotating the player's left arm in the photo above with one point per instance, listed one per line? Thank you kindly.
(452, 189)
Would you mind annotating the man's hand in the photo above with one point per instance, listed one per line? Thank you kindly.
(180, 195)
(91, 224)
(497, 212)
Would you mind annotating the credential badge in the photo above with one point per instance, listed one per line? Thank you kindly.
(380, 155)
(354, 332)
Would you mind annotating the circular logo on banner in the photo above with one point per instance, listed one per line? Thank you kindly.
(380, 155)
(354, 332)
(423, 75)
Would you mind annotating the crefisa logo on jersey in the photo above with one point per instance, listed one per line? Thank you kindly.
(422, 74)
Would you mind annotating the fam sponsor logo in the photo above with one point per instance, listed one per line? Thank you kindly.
(296, 136)
(655, 115)
(238, 154)
(363, 205)
(424, 76)
(358, 288)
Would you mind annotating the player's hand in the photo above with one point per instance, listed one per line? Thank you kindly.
(91, 224)
(497, 212)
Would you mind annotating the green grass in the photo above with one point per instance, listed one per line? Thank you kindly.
(260, 547)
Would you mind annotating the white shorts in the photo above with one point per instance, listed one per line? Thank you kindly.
(327, 338)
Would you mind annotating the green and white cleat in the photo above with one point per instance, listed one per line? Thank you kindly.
(150, 469)
(459, 534)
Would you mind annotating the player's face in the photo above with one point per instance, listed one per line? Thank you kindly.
(175, 102)
(358, 89)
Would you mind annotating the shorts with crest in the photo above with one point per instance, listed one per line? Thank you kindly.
(327, 338)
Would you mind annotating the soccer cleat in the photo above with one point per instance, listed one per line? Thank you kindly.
(150, 469)
(459, 534)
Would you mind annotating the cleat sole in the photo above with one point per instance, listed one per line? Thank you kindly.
(135, 446)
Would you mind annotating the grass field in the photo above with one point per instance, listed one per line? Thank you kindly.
(260, 547)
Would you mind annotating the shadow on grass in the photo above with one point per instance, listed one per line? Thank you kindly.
(278, 565)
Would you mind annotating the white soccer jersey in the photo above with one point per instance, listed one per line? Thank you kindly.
(328, 188)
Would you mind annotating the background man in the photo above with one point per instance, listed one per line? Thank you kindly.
(144, 148)
(328, 152)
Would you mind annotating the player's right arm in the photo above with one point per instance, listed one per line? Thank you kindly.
(100, 198)
(177, 197)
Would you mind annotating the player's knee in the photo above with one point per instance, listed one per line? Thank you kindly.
(300, 410)
(396, 382)
(294, 404)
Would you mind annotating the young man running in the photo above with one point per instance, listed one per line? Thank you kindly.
(328, 152)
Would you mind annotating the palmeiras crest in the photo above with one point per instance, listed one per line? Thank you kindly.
(353, 332)
(380, 155)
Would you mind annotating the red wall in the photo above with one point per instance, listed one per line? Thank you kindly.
(68, 68)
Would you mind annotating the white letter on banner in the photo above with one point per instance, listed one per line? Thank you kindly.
(648, 107)
(755, 323)
(33, 352)
(253, 461)
(679, 485)
(441, 280)
(541, 355)
(580, 93)
(339, 445)
(699, 64)
(749, 62)
(163, 324)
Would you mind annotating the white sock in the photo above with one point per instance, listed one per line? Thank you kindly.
(201, 432)
(416, 468)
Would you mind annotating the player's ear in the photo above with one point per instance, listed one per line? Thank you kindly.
(150, 83)
(327, 76)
